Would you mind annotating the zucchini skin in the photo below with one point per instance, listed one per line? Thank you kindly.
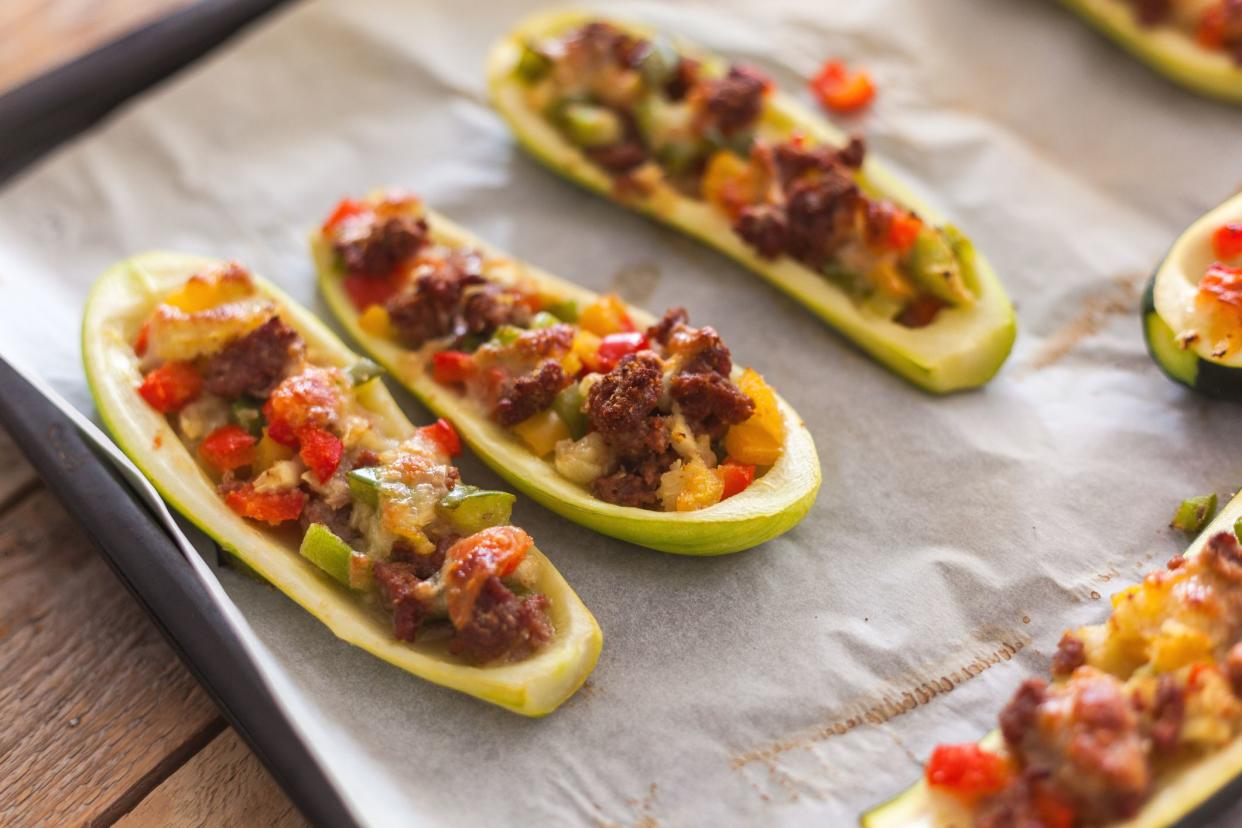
(1171, 53)
(964, 349)
(126, 293)
(1191, 798)
(1183, 366)
(772, 505)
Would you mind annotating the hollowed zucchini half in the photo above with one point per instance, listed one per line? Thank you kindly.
(963, 348)
(1190, 796)
(1172, 52)
(1168, 309)
(769, 506)
(119, 302)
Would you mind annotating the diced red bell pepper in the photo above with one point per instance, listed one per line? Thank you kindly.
(1052, 810)
(311, 398)
(228, 447)
(967, 770)
(171, 387)
(903, 230)
(270, 507)
(345, 208)
(1227, 241)
(451, 367)
(736, 477)
(365, 291)
(841, 90)
(1224, 284)
(320, 450)
(496, 550)
(277, 428)
(144, 335)
(1210, 33)
(442, 433)
(614, 346)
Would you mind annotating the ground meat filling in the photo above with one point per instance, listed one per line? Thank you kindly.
(734, 102)
(815, 211)
(624, 406)
(451, 297)
(1084, 736)
(503, 624)
(384, 246)
(530, 393)
(255, 363)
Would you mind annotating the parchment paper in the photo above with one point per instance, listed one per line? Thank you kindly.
(953, 539)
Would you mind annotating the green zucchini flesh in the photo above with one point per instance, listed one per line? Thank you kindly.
(122, 298)
(963, 348)
(1168, 50)
(1178, 798)
(1167, 309)
(768, 507)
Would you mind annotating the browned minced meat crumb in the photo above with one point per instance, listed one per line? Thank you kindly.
(451, 297)
(711, 402)
(1070, 655)
(387, 243)
(619, 158)
(685, 76)
(636, 482)
(253, 364)
(425, 566)
(1151, 12)
(602, 43)
(660, 331)
(317, 510)
(397, 583)
(625, 397)
(1092, 752)
(1222, 556)
(701, 349)
(1167, 714)
(820, 197)
(1015, 806)
(734, 102)
(530, 393)
(503, 624)
(1233, 667)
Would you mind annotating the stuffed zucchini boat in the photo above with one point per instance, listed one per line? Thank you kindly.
(637, 428)
(1197, 43)
(715, 151)
(1140, 726)
(1192, 308)
(265, 431)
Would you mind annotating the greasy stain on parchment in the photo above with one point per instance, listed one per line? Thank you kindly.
(643, 814)
(876, 711)
(636, 282)
(1119, 296)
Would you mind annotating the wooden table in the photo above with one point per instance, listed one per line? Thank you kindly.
(102, 723)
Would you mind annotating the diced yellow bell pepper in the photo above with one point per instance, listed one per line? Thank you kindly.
(202, 292)
(542, 432)
(767, 414)
(700, 487)
(374, 320)
(267, 452)
(606, 315)
(585, 351)
(731, 183)
(750, 443)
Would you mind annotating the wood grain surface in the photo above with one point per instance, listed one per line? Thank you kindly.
(38, 35)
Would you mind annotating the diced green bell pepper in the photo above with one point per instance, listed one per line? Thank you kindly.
(1237, 528)
(505, 334)
(1194, 513)
(659, 62)
(471, 509)
(542, 320)
(568, 406)
(565, 310)
(532, 64)
(364, 485)
(591, 126)
(322, 547)
(679, 155)
(247, 413)
(933, 266)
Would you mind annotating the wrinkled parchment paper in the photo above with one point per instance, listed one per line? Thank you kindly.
(953, 539)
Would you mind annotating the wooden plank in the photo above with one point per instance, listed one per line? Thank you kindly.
(97, 710)
(16, 475)
(223, 784)
(42, 34)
